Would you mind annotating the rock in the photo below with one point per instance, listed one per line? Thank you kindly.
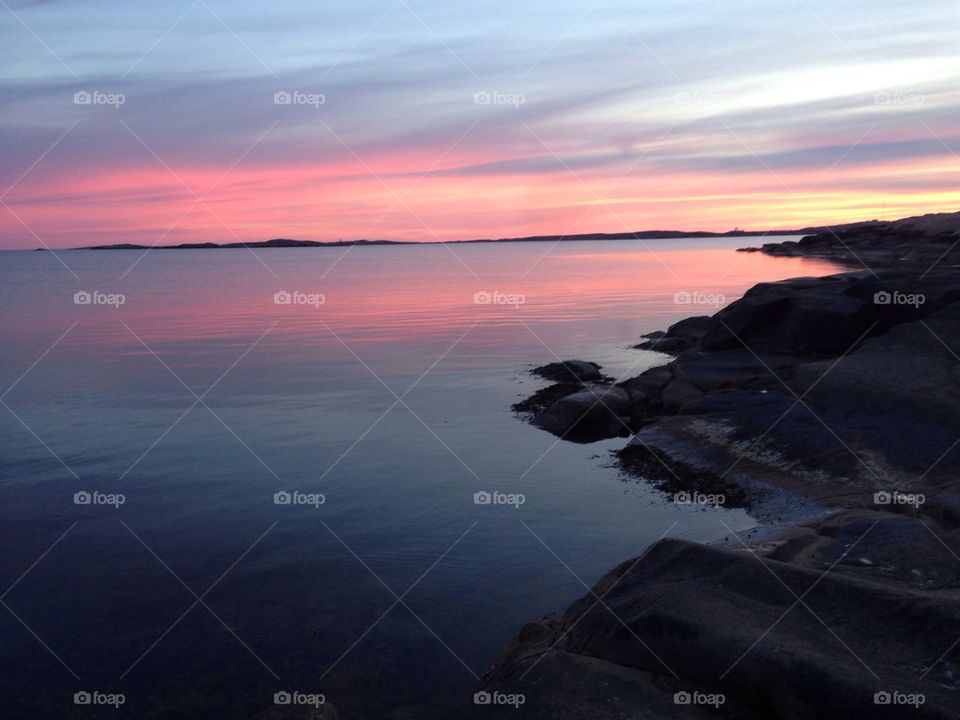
(299, 712)
(765, 442)
(798, 317)
(734, 369)
(693, 328)
(580, 406)
(848, 385)
(873, 417)
(646, 387)
(787, 248)
(588, 415)
(903, 550)
(570, 371)
(730, 403)
(690, 616)
(576, 687)
(667, 345)
(678, 392)
(812, 316)
(883, 417)
(895, 401)
(679, 337)
(945, 508)
(672, 475)
(569, 377)
(918, 242)
(543, 398)
(826, 316)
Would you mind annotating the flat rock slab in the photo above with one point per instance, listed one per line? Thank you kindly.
(731, 622)
(299, 712)
(567, 686)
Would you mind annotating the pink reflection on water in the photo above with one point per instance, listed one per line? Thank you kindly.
(215, 304)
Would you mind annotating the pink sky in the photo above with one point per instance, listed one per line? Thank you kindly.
(432, 129)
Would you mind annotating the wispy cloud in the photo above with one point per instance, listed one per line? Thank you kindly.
(684, 113)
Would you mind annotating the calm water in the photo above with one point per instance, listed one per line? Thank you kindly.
(199, 398)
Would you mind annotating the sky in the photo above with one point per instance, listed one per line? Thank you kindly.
(213, 120)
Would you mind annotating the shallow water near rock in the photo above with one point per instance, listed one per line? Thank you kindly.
(199, 398)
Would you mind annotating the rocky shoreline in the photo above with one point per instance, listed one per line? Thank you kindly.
(831, 408)
(924, 240)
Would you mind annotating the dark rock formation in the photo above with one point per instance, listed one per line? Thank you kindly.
(299, 712)
(826, 316)
(569, 371)
(833, 404)
(821, 623)
(587, 415)
(920, 242)
(582, 405)
(679, 337)
(808, 383)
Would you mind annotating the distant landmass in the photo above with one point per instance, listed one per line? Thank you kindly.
(638, 235)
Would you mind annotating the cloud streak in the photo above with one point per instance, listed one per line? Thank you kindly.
(504, 121)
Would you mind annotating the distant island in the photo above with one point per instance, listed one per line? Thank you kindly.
(638, 235)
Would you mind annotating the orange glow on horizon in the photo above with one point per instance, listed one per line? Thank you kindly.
(343, 200)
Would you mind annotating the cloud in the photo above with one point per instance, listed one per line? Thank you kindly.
(664, 101)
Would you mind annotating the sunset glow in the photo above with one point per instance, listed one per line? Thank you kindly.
(410, 121)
